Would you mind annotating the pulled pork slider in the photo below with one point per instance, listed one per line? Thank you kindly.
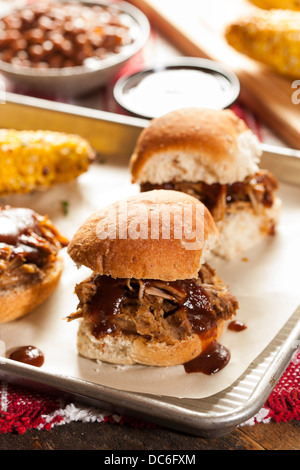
(152, 299)
(213, 156)
(30, 262)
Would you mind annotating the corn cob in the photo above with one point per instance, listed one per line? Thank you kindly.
(271, 37)
(281, 4)
(31, 160)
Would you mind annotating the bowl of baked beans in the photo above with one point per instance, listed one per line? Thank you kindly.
(69, 47)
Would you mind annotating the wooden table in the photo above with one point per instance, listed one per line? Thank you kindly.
(107, 437)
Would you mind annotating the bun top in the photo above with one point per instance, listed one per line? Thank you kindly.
(192, 144)
(158, 234)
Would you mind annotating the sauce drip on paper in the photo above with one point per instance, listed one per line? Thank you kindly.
(236, 325)
(214, 358)
(28, 355)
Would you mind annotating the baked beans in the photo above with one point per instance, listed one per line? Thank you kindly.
(56, 35)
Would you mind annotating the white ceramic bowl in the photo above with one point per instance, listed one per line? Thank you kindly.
(80, 80)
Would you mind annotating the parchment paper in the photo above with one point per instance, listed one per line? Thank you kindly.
(267, 286)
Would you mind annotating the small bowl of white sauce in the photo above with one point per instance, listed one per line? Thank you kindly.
(182, 83)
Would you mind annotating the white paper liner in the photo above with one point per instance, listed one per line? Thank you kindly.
(267, 286)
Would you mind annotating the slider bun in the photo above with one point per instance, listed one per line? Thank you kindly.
(192, 144)
(243, 228)
(17, 301)
(158, 254)
(121, 349)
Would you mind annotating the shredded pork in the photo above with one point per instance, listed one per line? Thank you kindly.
(257, 189)
(32, 249)
(157, 309)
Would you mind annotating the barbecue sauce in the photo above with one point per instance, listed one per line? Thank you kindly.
(197, 306)
(236, 325)
(214, 358)
(209, 194)
(28, 355)
(105, 304)
(110, 294)
(263, 182)
(196, 302)
(16, 227)
(14, 223)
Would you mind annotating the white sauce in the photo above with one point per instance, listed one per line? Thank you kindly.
(160, 92)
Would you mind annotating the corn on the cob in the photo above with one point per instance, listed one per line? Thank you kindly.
(281, 4)
(271, 37)
(30, 160)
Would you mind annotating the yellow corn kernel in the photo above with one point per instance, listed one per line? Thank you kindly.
(271, 37)
(281, 4)
(31, 160)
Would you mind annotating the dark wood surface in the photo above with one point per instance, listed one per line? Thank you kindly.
(107, 437)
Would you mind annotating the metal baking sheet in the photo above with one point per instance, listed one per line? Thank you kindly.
(210, 417)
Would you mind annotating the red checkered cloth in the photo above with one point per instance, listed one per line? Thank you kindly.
(22, 409)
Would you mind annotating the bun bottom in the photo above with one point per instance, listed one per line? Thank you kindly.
(20, 300)
(243, 228)
(121, 349)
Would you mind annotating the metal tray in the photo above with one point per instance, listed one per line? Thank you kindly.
(210, 417)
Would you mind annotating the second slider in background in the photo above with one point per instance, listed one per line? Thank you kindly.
(214, 156)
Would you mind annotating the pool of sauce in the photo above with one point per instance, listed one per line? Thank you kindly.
(236, 325)
(16, 227)
(28, 355)
(214, 358)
